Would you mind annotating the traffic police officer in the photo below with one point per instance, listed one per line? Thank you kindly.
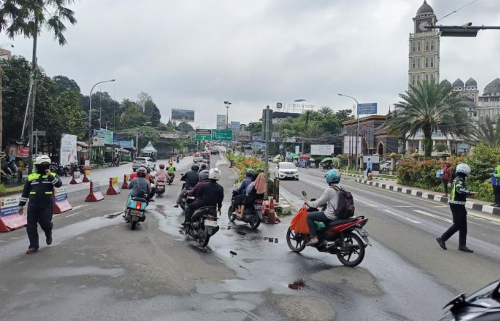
(39, 189)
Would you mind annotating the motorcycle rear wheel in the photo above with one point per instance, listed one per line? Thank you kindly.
(204, 239)
(230, 214)
(299, 239)
(355, 245)
(133, 224)
(254, 224)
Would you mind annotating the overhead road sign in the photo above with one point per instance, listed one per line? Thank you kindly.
(367, 109)
(203, 134)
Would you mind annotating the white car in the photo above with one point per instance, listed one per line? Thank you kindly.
(197, 158)
(286, 170)
(146, 162)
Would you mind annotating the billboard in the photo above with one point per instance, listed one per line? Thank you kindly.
(235, 125)
(102, 137)
(350, 145)
(68, 149)
(221, 121)
(367, 109)
(185, 115)
(322, 150)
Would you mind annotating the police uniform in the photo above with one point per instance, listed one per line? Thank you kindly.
(39, 190)
(458, 197)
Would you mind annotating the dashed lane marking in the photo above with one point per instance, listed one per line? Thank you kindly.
(403, 206)
(367, 204)
(433, 216)
(403, 217)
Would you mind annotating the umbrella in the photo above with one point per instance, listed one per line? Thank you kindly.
(312, 159)
(291, 155)
(304, 156)
(330, 159)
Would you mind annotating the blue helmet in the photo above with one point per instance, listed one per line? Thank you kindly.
(333, 176)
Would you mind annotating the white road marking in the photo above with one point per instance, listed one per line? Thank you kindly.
(434, 216)
(402, 206)
(80, 206)
(441, 206)
(367, 204)
(403, 217)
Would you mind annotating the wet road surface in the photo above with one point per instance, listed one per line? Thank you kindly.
(99, 269)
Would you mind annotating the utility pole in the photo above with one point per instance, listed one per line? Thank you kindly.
(266, 153)
(31, 112)
(136, 143)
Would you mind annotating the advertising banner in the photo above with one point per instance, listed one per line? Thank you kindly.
(68, 149)
(61, 203)
(323, 150)
(350, 145)
(221, 121)
(9, 215)
(183, 115)
(23, 151)
(235, 125)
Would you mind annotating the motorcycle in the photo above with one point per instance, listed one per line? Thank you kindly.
(170, 179)
(252, 215)
(13, 167)
(203, 225)
(340, 237)
(186, 200)
(484, 305)
(59, 169)
(135, 211)
(160, 187)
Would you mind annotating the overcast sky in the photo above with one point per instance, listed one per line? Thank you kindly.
(194, 54)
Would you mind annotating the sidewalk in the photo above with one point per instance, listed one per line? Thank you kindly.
(390, 184)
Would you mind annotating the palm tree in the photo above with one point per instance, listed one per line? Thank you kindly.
(487, 132)
(429, 107)
(27, 17)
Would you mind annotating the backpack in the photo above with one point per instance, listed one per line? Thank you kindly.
(345, 207)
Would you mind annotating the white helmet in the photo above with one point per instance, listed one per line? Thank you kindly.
(214, 174)
(463, 169)
(44, 159)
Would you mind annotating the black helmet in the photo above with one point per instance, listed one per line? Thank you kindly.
(204, 174)
(195, 167)
(250, 172)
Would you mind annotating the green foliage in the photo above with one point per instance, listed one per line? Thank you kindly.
(487, 132)
(64, 83)
(255, 127)
(428, 107)
(132, 117)
(185, 128)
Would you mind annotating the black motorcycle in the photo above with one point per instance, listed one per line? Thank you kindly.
(484, 305)
(59, 169)
(203, 225)
(252, 215)
(186, 200)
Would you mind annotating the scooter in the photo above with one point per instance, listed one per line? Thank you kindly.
(484, 305)
(170, 179)
(203, 225)
(252, 215)
(59, 169)
(186, 200)
(160, 187)
(341, 237)
(135, 211)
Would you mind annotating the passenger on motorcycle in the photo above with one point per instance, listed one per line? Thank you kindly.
(161, 174)
(203, 167)
(140, 186)
(247, 181)
(203, 179)
(211, 194)
(330, 197)
(171, 170)
(254, 191)
(191, 178)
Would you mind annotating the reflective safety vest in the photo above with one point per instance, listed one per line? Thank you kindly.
(39, 188)
(458, 193)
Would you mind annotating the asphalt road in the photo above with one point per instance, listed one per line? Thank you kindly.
(99, 269)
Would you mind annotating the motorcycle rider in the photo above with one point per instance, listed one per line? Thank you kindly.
(191, 178)
(203, 179)
(171, 170)
(203, 167)
(210, 194)
(458, 197)
(39, 188)
(330, 197)
(247, 181)
(151, 180)
(140, 186)
(161, 174)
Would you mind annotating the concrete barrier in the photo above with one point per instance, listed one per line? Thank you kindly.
(76, 178)
(86, 176)
(113, 188)
(10, 219)
(61, 203)
(95, 194)
(126, 179)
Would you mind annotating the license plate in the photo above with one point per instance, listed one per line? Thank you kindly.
(364, 235)
(137, 213)
(258, 207)
(211, 223)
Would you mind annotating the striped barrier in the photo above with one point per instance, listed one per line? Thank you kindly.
(113, 188)
(95, 194)
(61, 203)
(10, 219)
(76, 178)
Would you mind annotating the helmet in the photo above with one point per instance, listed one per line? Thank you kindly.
(333, 176)
(195, 167)
(141, 172)
(250, 172)
(170, 163)
(214, 174)
(162, 166)
(44, 159)
(204, 174)
(203, 167)
(148, 169)
(463, 169)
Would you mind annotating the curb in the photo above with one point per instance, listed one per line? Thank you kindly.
(475, 207)
(361, 176)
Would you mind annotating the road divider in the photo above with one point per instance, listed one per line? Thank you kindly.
(10, 219)
(86, 176)
(95, 194)
(76, 178)
(113, 188)
(126, 178)
(61, 203)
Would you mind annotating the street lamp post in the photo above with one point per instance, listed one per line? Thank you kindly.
(227, 103)
(357, 132)
(90, 114)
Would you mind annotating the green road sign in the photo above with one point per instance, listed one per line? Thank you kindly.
(203, 134)
(222, 134)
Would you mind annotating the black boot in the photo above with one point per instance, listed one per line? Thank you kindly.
(441, 243)
(464, 248)
(48, 239)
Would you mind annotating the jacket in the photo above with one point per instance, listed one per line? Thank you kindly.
(195, 189)
(40, 188)
(211, 194)
(244, 185)
(330, 197)
(447, 173)
(495, 179)
(191, 178)
(458, 193)
(140, 187)
(161, 175)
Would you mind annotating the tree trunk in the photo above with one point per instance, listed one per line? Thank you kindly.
(1, 110)
(428, 143)
(33, 96)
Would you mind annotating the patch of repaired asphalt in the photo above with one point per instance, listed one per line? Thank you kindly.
(305, 308)
(357, 279)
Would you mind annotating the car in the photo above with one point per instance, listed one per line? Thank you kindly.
(146, 162)
(197, 158)
(214, 152)
(286, 170)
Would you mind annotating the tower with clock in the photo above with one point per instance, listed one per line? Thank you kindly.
(424, 47)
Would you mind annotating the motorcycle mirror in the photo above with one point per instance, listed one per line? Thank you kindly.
(304, 193)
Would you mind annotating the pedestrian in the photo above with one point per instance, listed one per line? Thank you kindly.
(39, 188)
(369, 167)
(495, 182)
(447, 172)
(458, 197)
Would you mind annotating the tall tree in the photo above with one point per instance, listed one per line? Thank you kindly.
(185, 128)
(27, 17)
(64, 83)
(487, 132)
(142, 98)
(152, 113)
(132, 117)
(429, 107)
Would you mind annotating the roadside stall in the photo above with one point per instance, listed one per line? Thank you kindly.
(149, 151)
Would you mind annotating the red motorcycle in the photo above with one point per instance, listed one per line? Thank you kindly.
(341, 237)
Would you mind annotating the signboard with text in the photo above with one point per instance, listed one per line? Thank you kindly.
(322, 150)
(367, 109)
(225, 135)
(203, 134)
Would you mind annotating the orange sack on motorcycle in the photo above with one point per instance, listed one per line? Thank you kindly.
(299, 222)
